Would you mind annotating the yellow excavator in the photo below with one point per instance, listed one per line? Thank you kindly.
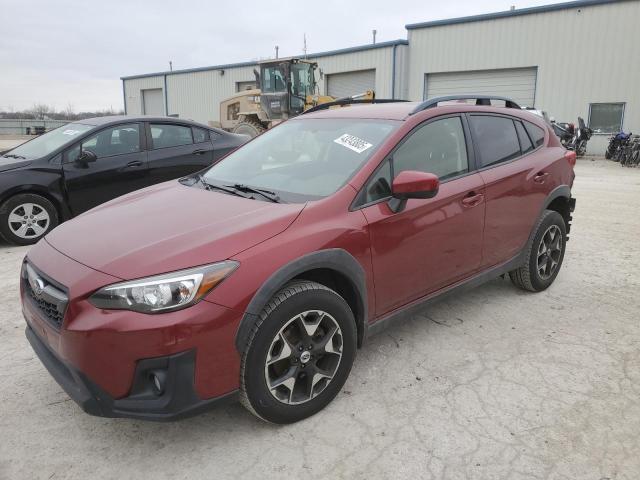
(287, 87)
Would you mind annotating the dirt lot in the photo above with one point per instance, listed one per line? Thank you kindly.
(497, 383)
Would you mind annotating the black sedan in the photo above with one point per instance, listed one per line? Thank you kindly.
(71, 169)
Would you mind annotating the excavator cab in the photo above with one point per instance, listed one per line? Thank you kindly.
(285, 86)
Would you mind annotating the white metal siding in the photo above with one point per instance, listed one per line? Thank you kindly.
(152, 102)
(594, 69)
(378, 59)
(516, 83)
(350, 83)
(133, 92)
(242, 86)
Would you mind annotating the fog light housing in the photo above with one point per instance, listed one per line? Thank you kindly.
(158, 379)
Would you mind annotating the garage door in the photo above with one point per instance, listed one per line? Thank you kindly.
(152, 102)
(516, 83)
(350, 83)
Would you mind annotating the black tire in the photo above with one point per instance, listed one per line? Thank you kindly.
(607, 154)
(249, 127)
(295, 298)
(31, 236)
(527, 276)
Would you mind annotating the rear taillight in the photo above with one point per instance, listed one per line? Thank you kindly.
(571, 156)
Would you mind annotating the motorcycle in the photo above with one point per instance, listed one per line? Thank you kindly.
(572, 138)
(581, 137)
(617, 143)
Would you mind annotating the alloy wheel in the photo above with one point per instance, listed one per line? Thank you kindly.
(28, 221)
(303, 357)
(549, 252)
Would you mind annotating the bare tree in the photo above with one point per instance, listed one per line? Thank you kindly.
(68, 111)
(39, 110)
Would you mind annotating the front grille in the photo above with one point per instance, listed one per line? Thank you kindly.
(51, 300)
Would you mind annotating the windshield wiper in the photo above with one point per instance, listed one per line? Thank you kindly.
(11, 155)
(268, 194)
(209, 186)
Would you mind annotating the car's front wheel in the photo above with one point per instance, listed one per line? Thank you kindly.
(544, 255)
(299, 353)
(26, 218)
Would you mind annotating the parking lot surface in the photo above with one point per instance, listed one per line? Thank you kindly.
(495, 383)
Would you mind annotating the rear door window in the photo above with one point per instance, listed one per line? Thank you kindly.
(165, 135)
(495, 138)
(525, 141)
(199, 135)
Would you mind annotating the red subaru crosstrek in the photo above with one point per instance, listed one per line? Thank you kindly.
(262, 275)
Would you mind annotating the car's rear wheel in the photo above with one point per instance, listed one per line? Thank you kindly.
(299, 353)
(544, 255)
(26, 218)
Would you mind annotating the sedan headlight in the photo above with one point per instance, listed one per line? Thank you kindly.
(163, 293)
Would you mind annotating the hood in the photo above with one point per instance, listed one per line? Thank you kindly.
(168, 227)
(11, 163)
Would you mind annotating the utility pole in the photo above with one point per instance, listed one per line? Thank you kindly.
(277, 48)
(170, 66)
(374, 31)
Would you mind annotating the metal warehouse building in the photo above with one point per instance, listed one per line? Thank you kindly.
(571, 59)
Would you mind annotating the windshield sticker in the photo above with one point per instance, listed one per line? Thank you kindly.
(353, 143)
(71, 132)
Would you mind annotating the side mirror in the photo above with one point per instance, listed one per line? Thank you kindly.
(86, 156)
(412, 184)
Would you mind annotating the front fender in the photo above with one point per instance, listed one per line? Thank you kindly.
(335, 259)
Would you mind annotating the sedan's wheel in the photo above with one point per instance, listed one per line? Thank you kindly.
(26, 218)
(299, 354)
(544, 255)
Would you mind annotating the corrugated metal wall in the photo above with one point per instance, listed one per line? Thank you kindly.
(378, 59)
(583, 56)
(197, 94)
(133, 92)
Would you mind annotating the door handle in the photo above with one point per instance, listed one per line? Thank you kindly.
(199, 152)
(541, 177)
(135, 163)
(472, 199)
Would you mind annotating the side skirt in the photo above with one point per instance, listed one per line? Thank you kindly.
(417, 305)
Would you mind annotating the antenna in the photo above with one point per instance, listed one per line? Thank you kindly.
(304, 48)
(374, 31)
(170, 66)
(277, 48)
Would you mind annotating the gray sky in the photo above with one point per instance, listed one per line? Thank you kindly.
(62, 52)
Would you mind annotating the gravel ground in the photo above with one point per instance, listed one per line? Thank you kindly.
(12, 141)
(497, 383)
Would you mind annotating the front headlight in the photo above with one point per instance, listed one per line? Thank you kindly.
(162, 293)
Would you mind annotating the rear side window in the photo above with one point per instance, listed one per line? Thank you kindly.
(438, 147)
(536, 133)
(525, 141)
(199, 135)
(165, 135)
(495, 138)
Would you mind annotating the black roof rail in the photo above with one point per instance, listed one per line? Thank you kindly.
(480, 100)
(350, 101)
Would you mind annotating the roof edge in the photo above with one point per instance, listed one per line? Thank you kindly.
(511, 13)
(327, 53)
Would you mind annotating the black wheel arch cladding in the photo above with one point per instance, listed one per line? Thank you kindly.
(335, 259)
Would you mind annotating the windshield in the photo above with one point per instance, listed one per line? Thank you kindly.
(303, 160)
(50, 141)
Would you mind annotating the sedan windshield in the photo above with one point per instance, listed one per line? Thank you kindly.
(50, 141)
(303, 160)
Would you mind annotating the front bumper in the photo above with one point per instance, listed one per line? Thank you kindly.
(176, 399)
